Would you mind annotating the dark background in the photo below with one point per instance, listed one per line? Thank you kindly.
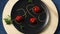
(2, 4)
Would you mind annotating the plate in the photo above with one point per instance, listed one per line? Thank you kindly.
(51, 27)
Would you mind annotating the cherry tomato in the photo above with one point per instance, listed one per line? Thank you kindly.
(19, 18)
(36, 9)
(32, 20)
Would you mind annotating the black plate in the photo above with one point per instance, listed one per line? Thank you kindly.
(24, 7)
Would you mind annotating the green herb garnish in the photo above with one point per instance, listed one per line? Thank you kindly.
(8, 20)
(30, 1)
(21, 26)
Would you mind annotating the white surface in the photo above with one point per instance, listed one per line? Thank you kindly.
(10, 29)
